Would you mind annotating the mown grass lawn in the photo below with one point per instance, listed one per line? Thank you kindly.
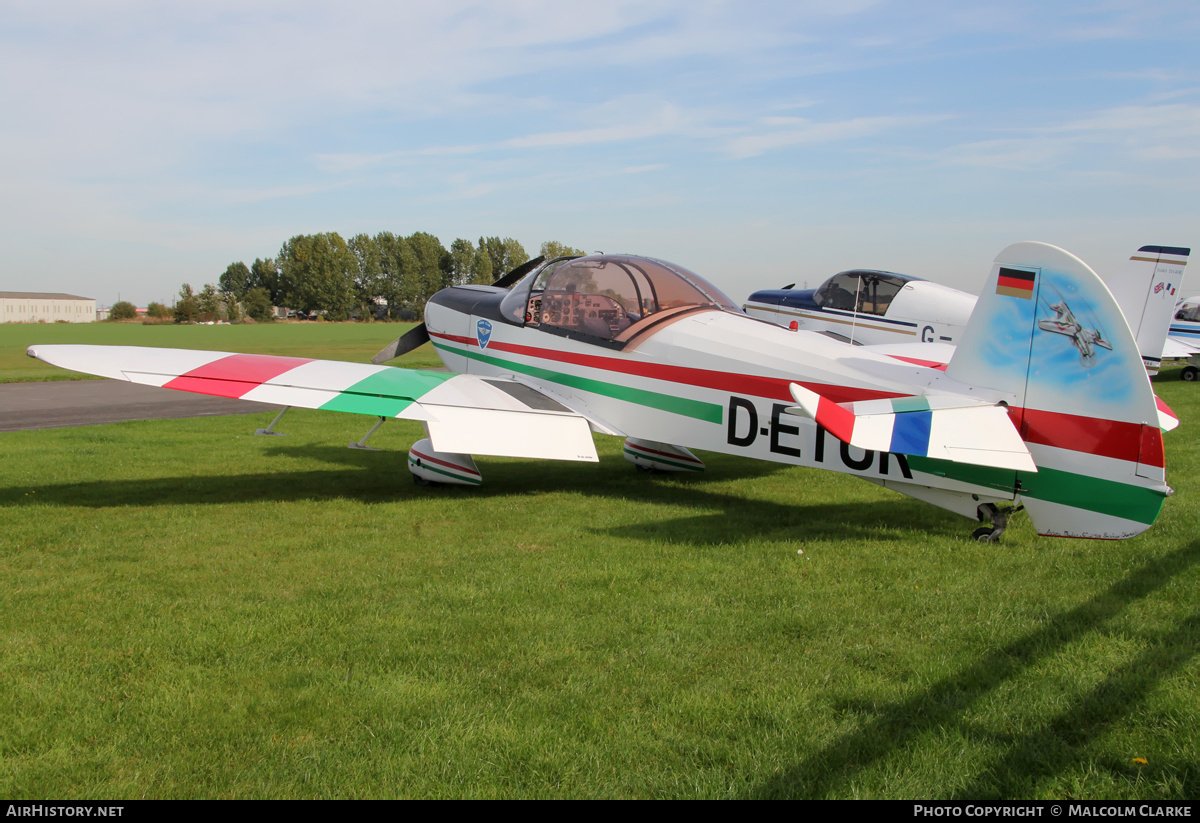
(192, 611)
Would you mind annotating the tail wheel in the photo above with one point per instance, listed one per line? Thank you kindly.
(999, 521)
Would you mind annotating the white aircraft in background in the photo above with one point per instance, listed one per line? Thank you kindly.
(880, 308)
(1183, 342)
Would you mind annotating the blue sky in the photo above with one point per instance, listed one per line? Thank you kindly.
(757, 143)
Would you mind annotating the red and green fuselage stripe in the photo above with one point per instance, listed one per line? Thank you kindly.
(698, 409)
(1080, 491)
(658, 456)
(444, 468)
(775, 388)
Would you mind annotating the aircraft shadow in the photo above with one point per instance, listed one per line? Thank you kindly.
(726, 519)
(1063, 738)
(721, 517)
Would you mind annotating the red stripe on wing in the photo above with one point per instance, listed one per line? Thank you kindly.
(235, 375)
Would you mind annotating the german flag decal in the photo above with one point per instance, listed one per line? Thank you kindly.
(1015, 283)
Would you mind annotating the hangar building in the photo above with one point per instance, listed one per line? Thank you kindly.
(47, 307)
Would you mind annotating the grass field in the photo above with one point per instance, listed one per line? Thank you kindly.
(191, 611)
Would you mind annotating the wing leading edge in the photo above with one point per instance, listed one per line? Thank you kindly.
(463, 413)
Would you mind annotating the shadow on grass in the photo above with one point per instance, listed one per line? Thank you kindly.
(722, 516)
(1048, 750)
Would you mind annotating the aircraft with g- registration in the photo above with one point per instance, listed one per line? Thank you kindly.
(882, 308)
(1183, 341)
(646, 350)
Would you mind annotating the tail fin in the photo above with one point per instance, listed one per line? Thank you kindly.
(1145, 289)
(1048, 331)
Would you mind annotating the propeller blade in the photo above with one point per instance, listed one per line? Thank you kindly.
(418, 335)
(519, 272)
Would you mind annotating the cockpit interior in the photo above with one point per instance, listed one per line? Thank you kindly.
(608, 299)
(866, 292)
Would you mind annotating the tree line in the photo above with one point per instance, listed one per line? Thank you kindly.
(385, 276)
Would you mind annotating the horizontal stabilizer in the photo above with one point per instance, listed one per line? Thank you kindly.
(1167, 419)
(944, 428)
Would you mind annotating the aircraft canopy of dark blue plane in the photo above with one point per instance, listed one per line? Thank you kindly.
(864, 290)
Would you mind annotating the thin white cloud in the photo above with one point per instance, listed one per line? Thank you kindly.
(1010, 153)
(1135, 133)
(666, 120)
(1168, 152)
(1177, 119)
(801, 132)
(348, 162)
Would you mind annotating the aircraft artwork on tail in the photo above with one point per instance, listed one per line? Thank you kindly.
(1085, 339)
(646, 350)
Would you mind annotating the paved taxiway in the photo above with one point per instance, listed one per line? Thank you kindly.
(54, 404)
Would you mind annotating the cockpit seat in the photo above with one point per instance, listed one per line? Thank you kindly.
(597, 327)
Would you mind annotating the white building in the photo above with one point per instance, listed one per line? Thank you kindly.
(45, 307)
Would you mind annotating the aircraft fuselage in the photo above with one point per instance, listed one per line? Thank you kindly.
(711, 379)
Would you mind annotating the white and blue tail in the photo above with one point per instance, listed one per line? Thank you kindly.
(1146, 289)
(1049, 332)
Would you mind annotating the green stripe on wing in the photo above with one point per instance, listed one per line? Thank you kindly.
(386, 393)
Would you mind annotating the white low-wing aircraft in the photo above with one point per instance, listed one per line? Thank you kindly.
(1183, 342)
(646, 350)
(885, 308)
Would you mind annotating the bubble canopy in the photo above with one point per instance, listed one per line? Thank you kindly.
(608, 297)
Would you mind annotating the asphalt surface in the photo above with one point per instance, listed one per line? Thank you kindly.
(55, 404)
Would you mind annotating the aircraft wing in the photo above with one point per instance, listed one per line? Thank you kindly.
(946, 428)
(463, 413)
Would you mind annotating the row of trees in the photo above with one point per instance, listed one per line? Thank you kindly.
(324, 273)
(124, 310)
(211, 305)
